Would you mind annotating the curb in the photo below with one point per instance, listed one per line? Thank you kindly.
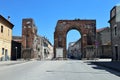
(14, 63)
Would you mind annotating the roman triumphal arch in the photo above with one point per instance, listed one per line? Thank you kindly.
(87, 29)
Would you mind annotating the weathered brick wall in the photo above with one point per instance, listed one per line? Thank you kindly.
(29, 31)
(87, 28)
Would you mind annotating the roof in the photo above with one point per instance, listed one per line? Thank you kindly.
(16, 37)
(47, 40)
(71, 44)
(1, 17)
(101, 29)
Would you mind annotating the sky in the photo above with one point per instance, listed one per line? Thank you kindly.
(46, 13)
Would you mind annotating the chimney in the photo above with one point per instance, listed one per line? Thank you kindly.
(8, 18)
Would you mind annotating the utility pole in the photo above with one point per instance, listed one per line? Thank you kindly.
(16, 52)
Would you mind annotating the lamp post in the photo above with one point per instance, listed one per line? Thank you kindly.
(16, 52)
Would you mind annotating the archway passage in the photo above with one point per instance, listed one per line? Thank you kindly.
(87, 28)
(73, 39)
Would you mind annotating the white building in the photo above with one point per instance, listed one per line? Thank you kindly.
(74, 50)
(45, 48)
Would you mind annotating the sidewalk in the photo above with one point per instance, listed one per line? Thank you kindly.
(7, 63)
(114, 65)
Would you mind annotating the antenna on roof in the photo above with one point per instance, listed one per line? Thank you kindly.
(8, 18)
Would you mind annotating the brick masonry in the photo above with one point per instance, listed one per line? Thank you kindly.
(29, 33)
(87, 29)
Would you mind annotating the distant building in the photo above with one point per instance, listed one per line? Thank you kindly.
(74, 50)
(115, 32)
(16, 47)
(29, 39)
(47, 49)
(103, 44)
(90, 52)
(70, 49)
(40, 47)
(5, 38)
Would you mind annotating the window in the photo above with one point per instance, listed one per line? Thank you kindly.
(6, 52)
(1, 29)
(45, 51)
(24, 26)
(6, 55)
(116, 52)
(45, 44)
(8, 32)
(28, 22)
(115, 31)
(2, 51)
(29, 26)
(113, 13)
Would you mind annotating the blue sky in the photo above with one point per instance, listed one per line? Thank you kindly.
(46, 13)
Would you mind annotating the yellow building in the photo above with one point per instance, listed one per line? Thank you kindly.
(5, 38)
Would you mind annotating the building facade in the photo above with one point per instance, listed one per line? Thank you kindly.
(70, 49)
(103, 46)
(90, 52)
(5, 38)
(74, 50)
(115, 32)
(47, 49)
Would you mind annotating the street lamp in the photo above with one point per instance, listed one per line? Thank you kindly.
(16, 52)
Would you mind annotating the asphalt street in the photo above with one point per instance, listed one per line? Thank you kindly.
(57, 70)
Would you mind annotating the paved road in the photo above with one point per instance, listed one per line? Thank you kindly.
(56, 70)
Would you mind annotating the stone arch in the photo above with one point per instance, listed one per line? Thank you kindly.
(87, 29)
(73, 28)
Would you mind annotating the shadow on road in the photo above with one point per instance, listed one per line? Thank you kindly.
(108, 66)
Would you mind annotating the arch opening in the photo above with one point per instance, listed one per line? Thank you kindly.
(73, 43)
